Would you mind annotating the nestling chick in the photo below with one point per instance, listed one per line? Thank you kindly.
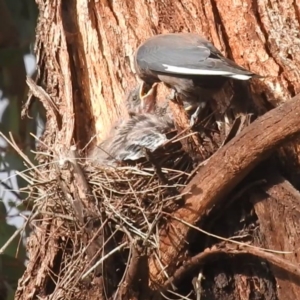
(128, 141)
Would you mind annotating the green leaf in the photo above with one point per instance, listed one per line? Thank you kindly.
(11, 118)
(9, 56)
(24, 13)
(3, 211)
(15, 162)
(15, 246)
(11, 269)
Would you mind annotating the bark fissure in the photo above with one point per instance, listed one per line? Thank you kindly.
(85, 62)
(224, 171)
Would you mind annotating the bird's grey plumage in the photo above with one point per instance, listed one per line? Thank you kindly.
(128, 140)
(186, 62)
(134, 102)
(142, 99)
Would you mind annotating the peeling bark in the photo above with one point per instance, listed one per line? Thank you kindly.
(102, 37)
(85, 64)
(225, 169)
(274, 202)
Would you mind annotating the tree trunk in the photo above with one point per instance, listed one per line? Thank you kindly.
(85, 58)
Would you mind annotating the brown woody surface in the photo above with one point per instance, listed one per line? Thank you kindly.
(103, 35)
(85, 55)
(225, 169)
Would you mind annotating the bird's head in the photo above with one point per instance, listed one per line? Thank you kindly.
(142, 99)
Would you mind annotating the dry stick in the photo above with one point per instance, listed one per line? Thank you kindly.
(225, 169)
(8, 242)
(48, 103)
(17, 232)
(209, 254)
(137, 272)
(190, 145)
(103, 258)
(158, 170)
(10, 189)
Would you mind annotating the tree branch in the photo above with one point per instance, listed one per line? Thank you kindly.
(226, 168)
(210, 254)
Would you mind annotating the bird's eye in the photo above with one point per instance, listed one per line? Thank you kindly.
(135, 98)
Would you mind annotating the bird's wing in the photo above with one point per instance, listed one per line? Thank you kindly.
(197, 58)
(134, 150)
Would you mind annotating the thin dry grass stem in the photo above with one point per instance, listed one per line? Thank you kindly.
(13, 144)
(89, 142)
(118, 206)
(9, 241)
(42, 143)
(124, 274)
(178, 139)
(231, 240)
(181, 297)
(103, 258)
(26, 178)
(162, 267)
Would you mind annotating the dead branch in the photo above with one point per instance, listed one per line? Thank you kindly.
(226, 168)
(46, 100)
(211, 254)
(282, 190)
(137, 273)
(276, 206)
(191, 144)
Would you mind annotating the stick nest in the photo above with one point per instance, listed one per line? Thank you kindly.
(92, 218)
(98, 213)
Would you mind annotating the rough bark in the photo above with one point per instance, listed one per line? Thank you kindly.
(102, 37)
(272, 203)
(225, 169)
(85, 59)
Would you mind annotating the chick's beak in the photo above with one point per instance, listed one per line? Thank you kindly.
(148, 97)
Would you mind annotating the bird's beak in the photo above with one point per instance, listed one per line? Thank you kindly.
(148, 97)
(190, 107)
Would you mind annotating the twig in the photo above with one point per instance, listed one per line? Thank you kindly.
(225, 169)
(16, 233)
(156, 167)
(10, 190)
(209, 254)
(48, 103)
(160, 174)
(19, 151)
(102, 259)
(138, 271)
(231, 239)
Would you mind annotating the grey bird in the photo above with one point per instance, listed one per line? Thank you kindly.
(147, 104)
(147, 127)
(134, 104)
(187, 63)
(128, 140)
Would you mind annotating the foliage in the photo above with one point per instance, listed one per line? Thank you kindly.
(17, 35)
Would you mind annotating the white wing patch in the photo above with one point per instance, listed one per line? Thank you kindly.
(240, 76)
(189, 71)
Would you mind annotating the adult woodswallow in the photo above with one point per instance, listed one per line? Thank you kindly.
(187, 63)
